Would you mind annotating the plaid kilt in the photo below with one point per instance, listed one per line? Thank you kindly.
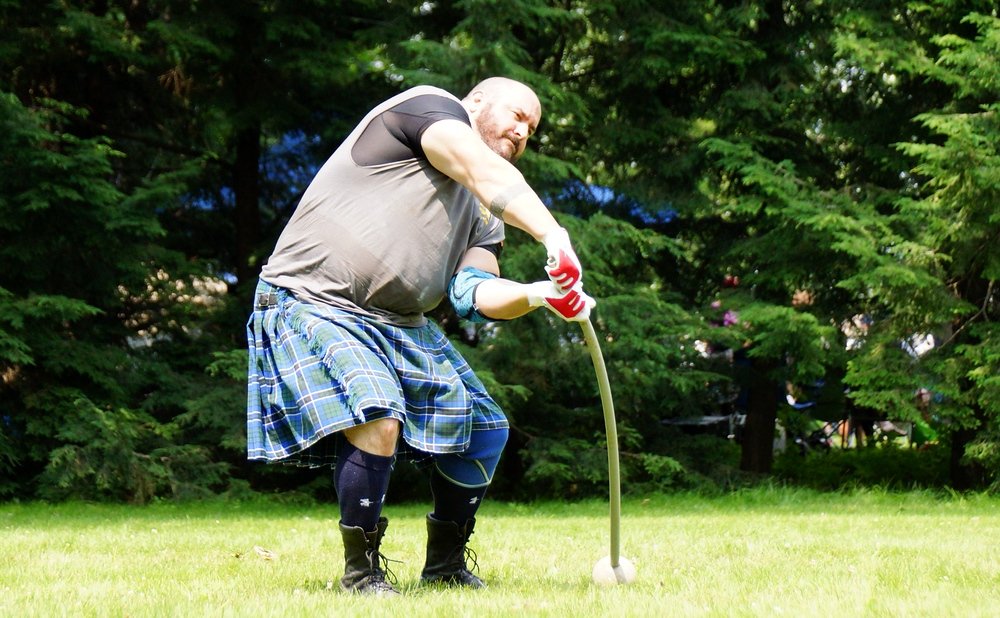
(315, 370)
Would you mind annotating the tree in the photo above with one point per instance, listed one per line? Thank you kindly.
(153, 150)
(127, 116)
(953, 221)
(71, 243)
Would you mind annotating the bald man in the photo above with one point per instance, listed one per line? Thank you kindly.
(345, 370)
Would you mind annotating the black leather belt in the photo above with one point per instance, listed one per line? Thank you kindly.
(266, 300)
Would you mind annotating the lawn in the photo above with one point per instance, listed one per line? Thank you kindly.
(763, 552)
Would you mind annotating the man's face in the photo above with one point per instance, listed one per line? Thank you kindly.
(505, 123)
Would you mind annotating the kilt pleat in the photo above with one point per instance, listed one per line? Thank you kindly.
(315, 370)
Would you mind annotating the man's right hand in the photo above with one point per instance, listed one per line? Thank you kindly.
(562, 265)
(572, 306)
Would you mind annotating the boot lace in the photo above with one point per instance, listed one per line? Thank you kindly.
(470, 555)
(380, 568)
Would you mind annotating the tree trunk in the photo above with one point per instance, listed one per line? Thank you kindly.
(762, 411)
(965, 475)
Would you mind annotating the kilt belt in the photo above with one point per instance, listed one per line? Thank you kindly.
(266, 300)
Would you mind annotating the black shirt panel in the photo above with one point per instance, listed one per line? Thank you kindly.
(395, 134)
(496, 249)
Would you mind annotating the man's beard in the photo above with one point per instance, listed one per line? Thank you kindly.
(503, 146)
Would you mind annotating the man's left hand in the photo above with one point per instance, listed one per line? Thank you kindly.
(572, 306)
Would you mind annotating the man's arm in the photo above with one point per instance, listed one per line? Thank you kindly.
(497, 299)
(503, 299)
(455, 149)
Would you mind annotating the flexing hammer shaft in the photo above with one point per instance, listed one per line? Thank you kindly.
(614, 478)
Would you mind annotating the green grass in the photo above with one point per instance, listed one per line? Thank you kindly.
(765, 552)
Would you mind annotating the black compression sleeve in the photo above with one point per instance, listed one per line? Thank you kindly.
(496, 248)
(395, 134)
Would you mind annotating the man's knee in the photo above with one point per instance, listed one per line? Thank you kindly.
(376, 437)
(474, 467)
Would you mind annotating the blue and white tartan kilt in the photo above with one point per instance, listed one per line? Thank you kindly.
(315, 370)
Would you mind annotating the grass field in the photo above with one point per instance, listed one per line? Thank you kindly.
(764, 552)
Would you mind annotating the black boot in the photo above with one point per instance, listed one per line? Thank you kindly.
(363, 572)
(446, 554)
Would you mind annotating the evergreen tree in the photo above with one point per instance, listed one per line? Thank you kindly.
(951, 225)
(72, 243)
(837, 159)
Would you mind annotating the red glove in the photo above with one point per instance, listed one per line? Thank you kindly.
(572, 306)
(562, 266)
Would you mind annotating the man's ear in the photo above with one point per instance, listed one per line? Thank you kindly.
(475, 99)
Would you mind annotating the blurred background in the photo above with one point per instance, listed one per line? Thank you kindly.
(788, 211)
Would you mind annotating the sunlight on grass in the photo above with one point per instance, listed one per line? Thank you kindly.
(756, 553)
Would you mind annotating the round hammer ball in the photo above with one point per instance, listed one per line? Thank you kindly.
(606, 575)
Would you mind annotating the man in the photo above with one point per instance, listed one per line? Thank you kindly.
(345, 368)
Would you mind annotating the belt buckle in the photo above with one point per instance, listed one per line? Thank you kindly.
(266, 300)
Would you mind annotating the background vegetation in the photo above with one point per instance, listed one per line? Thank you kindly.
(792, 163)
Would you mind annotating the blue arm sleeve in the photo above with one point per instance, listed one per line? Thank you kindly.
(462, 293)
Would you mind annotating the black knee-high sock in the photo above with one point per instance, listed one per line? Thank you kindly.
(361, 480)
(453, 502)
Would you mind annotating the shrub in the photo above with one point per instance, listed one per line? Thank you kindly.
(886, 466)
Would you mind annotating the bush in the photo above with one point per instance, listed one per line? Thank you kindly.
(884, 466)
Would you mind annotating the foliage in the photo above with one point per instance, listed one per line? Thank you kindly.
(955, 216)
(647, 345)
(891, 467)
(743, 182)
(123, 455)
(69, 238)
(710, 462)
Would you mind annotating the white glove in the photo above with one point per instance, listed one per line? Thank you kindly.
(572, 306)
(562, 265)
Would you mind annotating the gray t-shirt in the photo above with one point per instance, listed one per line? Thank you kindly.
(380, 231)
